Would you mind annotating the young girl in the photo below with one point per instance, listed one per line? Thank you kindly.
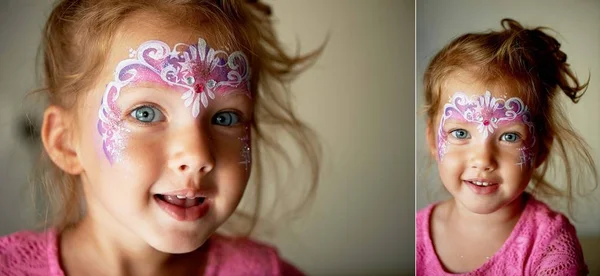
(154, 108)
(493, 112)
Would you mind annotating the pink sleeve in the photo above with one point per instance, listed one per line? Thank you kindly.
(562, 254)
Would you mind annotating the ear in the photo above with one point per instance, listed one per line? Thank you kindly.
(431, 142)
(56, 134)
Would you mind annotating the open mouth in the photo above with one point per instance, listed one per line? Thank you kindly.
(482, 187)
(180, 201)
(481, 183)
(183, 208)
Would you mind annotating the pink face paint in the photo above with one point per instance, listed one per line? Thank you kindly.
(488, 113)
(246, 150)
(198, 72)
(110, 126)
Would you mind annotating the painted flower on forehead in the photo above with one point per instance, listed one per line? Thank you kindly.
(197, 71)
(485, 110)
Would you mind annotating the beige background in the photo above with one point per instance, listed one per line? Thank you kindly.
(578, 23)
(359, 97)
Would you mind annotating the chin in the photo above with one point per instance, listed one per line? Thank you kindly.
(481, 209)
(481, 206)
(178, 241)
(178, 244)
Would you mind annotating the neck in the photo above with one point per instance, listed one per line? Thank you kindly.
(505, 216)
(118, 251)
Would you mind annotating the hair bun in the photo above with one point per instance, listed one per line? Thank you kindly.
(541, 52)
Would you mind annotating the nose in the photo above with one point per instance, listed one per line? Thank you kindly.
(190, 152)
(482, 158)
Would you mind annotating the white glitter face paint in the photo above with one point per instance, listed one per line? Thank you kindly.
(488, 113)
(197, 71)
(246, 149)
(110, 126)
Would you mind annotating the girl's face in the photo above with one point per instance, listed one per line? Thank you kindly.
(483, 140)
(164, 137)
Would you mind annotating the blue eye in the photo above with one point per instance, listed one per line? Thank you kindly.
(147, 114)
(510, 137)
(460, 134)
(227, 118)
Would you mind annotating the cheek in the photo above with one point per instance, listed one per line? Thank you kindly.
(234, 153)
(527, 153)
(92, 144)
(440, 141)
(143, 160)
(452, 165)
(113, 134)
(519, 156)
(232, 171)
(246, 149)
(140, 164)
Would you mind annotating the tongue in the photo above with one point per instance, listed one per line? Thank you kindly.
(185, 203)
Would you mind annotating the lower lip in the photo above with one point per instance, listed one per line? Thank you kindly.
(482, 190)
(184, 214)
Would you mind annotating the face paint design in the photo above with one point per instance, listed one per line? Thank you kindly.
(246, 150)
(198, 72)
(488, 113)
(110, 126)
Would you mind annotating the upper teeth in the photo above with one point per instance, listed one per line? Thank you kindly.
(482, 183)
(184, 197)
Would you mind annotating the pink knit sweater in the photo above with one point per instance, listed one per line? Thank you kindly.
(543, 242)
(31, 253)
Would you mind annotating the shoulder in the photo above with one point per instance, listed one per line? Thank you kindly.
(423, 215)
(232, 256)
(433, 213)
(426, 258)
(557, 250)
(546, 223)
(27, 253)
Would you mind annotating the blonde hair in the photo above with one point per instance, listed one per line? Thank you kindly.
(78, 35)
(530, 62)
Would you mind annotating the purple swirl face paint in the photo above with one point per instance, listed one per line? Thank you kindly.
(488, 113)
(197, 71)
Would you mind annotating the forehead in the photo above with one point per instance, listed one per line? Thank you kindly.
(472, 86)
(145, 26)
